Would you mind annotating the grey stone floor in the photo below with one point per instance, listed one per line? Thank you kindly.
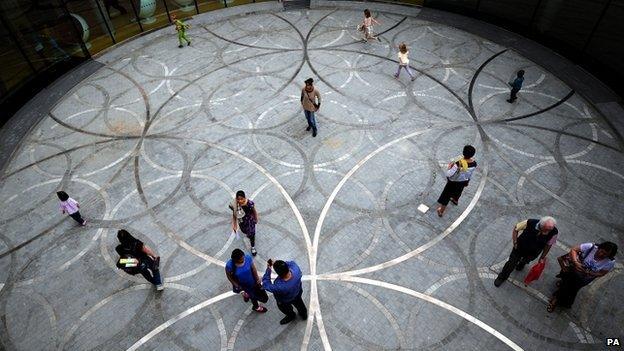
(159, 139)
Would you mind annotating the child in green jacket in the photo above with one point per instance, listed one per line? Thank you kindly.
(181, 28)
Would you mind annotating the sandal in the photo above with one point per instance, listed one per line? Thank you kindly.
(551, 305)
(439, 212)
(260, 309)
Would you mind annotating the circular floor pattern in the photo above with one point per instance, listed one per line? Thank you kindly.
(159, 140)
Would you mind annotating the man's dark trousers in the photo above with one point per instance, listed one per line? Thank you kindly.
(516, 256)
(287, 307)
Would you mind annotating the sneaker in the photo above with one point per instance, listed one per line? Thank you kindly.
(160, 287)
(261, 309)
(245, 297)
(253, 251)
(84, 222)
(498, 281)
(287, 320)
(308, 129)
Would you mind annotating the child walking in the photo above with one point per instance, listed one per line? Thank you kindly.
(516, 85)
(367, 26)
(71, 207)
(181, 28)
(404, 61)
(245, 216)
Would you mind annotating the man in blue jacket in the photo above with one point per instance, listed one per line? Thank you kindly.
(286, 288)
(516, 85)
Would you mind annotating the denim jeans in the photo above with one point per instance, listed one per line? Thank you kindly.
(513, 94)
(311, 118)
(407, 68)
(150, 272)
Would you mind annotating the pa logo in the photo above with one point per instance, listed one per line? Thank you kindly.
(613, 342)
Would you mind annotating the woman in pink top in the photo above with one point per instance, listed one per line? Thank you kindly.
(71, 207)
(367, 26)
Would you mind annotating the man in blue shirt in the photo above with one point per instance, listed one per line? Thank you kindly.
(286, 288)
(516, 85)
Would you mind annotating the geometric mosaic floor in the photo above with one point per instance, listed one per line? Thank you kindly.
(160, 139)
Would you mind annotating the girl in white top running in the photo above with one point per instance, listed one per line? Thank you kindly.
(367, 26)
(404, 61)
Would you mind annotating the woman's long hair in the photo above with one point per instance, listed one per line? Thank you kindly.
(610, 247)
(236, 255)
(125, 238)
(403, 48)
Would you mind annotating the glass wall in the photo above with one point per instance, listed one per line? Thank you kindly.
(605, 45)
(39, 42)
(42, 39)
(589, 32)
(509, 10)
(103, 23)
(568, 21)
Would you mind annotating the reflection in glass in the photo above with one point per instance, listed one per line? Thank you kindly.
(147, 9)
(123, 18)
(210, 5)
(37, 35)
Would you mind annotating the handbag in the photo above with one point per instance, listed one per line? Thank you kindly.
(535, 272)
(316, 106)
(237, 210)
(565, 261)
